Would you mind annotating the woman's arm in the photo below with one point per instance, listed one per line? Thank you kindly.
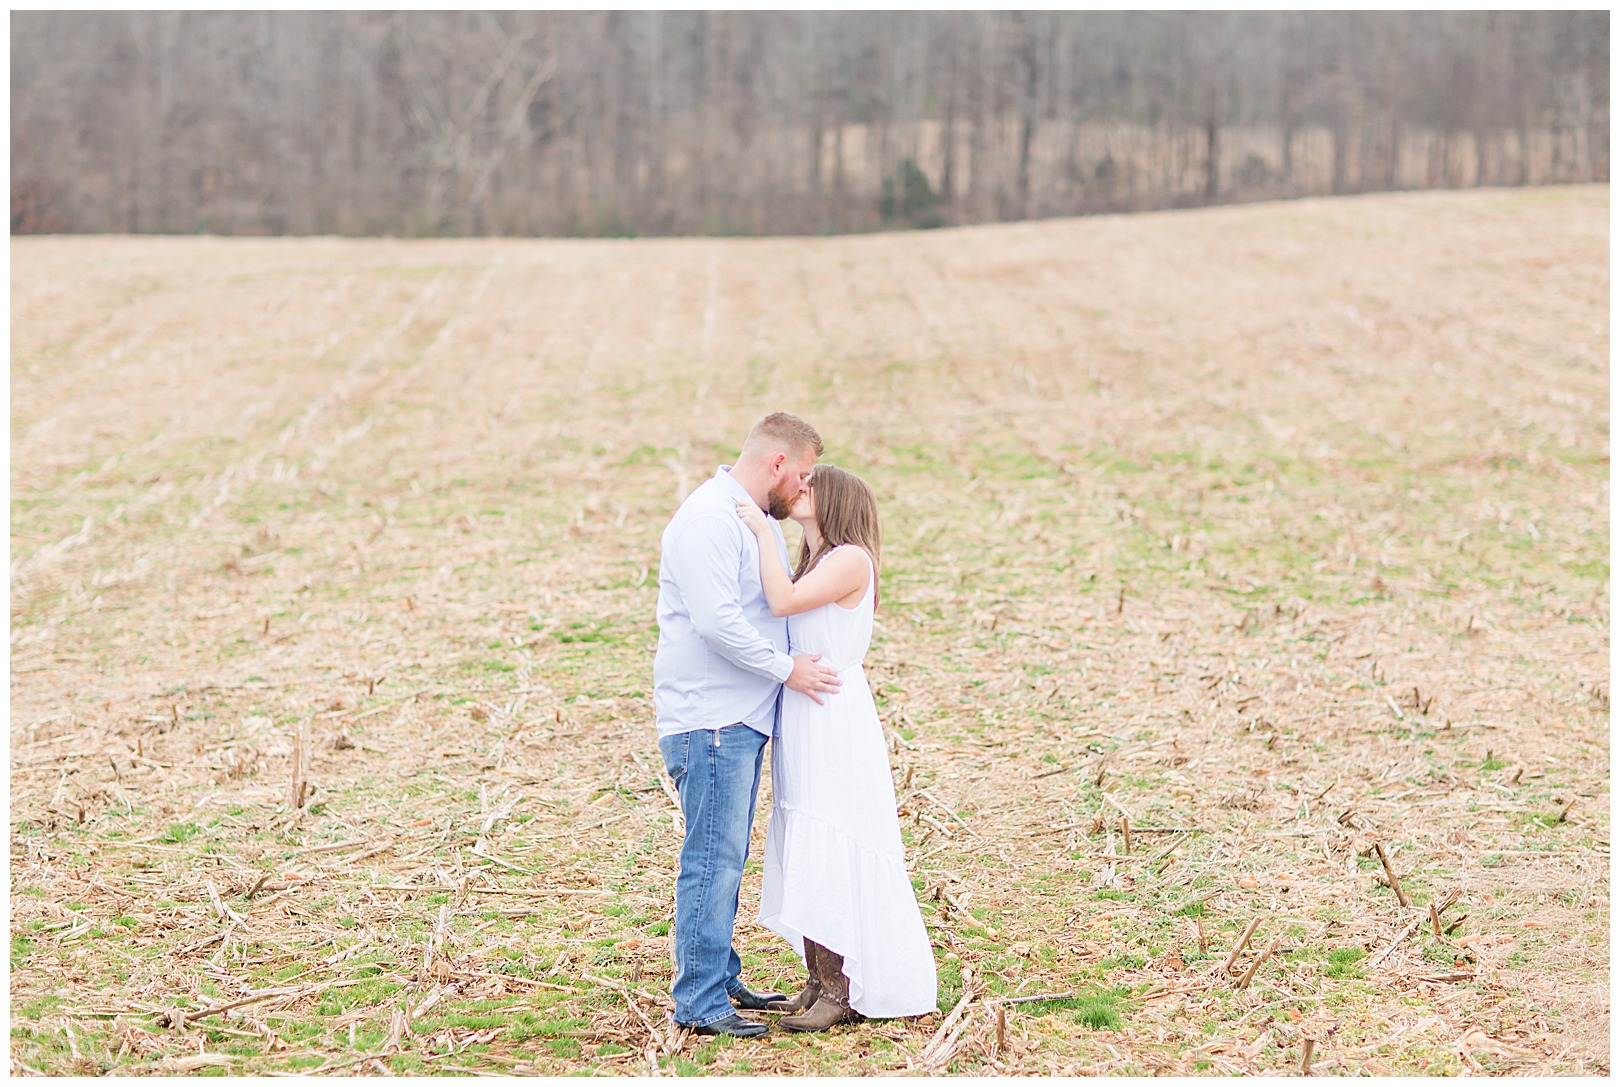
(840, 574)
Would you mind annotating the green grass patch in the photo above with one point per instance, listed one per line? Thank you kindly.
(1529, 822)
(1101, 1009)
(179, 832)
(1344, 962)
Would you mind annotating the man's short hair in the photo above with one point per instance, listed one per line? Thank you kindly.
(787, 431)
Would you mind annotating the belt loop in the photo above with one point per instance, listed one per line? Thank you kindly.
(717, 739)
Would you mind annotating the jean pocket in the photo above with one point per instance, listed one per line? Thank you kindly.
(677, 752)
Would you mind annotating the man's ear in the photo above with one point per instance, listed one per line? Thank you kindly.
(777, 462)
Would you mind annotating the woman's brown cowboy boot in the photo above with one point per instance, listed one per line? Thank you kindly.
(832, 1006)
(806, 997)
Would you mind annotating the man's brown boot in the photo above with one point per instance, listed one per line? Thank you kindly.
(806, 997)
(832, 1006)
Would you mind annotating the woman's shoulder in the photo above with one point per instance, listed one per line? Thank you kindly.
(849, 553)
(851, 565)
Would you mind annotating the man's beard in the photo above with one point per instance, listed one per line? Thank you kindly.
(780, 505)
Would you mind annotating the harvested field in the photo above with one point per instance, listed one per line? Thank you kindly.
(1228, 552)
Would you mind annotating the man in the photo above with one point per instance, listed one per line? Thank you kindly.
(722, 662)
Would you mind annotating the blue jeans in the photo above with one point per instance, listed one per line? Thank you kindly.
(716, 774)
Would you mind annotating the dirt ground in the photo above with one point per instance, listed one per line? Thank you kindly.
(1225, 552)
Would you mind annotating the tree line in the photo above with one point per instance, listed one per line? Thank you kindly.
(619, 123)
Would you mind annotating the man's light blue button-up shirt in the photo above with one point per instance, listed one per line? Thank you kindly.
(722, 656)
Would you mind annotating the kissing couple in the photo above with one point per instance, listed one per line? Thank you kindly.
(752, 648)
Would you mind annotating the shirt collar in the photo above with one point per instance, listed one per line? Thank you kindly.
(731, 486)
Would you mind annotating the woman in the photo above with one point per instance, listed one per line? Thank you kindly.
(835, 883)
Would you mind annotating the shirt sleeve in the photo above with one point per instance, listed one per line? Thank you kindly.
(706, 555)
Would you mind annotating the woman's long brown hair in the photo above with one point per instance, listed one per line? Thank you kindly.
(846, 512)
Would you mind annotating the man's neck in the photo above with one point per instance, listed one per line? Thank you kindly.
(751, 479)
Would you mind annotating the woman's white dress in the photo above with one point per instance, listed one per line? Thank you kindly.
(835, 868)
